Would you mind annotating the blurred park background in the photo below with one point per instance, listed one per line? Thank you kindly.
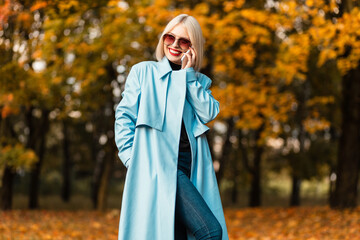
(286, 73)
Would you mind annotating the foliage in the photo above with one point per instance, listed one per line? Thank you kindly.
(276, 67)
(16, 157)
(291, 29)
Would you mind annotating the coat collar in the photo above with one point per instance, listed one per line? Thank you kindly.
(164, 67)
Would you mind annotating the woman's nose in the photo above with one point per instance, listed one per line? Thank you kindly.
(175, 43)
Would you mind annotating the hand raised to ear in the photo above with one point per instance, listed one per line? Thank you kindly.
(189, 59)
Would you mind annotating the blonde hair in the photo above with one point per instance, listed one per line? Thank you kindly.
(196, 37)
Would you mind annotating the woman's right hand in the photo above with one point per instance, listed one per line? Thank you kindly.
(189, 60)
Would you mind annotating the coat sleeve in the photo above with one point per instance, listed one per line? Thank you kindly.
(125, 117)
(199, 96)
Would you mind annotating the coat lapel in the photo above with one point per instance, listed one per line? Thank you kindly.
(153, 95)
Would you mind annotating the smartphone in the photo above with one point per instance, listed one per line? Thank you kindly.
(182, 58)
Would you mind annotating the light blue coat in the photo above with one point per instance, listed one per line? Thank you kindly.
(147, 133)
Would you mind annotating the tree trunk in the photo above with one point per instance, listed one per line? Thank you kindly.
(104, 183)
(259, 4)
(303, 97)
(332, 187)
(39, 148)
(347, 175)
(6, 184)
(345, 6)
(226, 150)
(295, 193)
(6, 189)
(34, 185)
(254, 169)
(98, 172)
(65, 192)
(255, 191)
(234, 192)
(107, 165)
(208, 69)
(105, 159)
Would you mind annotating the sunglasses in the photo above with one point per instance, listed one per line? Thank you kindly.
(170, 39)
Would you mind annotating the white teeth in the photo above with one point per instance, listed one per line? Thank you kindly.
(174, 52)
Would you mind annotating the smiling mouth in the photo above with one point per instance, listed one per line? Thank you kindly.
(174, 52)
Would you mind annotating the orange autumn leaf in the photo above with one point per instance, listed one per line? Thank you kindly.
(8, 110)
(38, 5)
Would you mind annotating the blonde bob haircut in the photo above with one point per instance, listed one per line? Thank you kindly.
(196, 37)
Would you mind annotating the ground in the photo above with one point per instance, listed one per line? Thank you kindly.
(302, 223)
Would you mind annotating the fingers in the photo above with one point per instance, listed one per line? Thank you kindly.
(189, 60)
(185, 60)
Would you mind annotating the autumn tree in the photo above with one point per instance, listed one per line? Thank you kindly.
(329, 27)
(346, 46)
(22, 93)
(89, 49)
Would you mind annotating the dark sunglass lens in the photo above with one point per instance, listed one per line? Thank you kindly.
(168, 39)
(184, 43)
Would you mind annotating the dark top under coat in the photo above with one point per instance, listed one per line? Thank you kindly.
(184, 145)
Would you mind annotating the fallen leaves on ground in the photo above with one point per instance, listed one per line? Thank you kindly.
(56, 225)
(303, 223)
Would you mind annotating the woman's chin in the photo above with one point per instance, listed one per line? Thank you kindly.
(176, 60)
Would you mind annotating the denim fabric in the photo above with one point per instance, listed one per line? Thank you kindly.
(191, 211)
(184, 162)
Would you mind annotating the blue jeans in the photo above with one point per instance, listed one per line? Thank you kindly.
(191, 211)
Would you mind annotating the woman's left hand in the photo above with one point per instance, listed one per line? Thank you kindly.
(189, 60)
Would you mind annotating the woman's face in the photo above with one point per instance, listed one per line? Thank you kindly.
(175, 50)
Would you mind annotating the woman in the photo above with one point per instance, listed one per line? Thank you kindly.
(170, 189)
